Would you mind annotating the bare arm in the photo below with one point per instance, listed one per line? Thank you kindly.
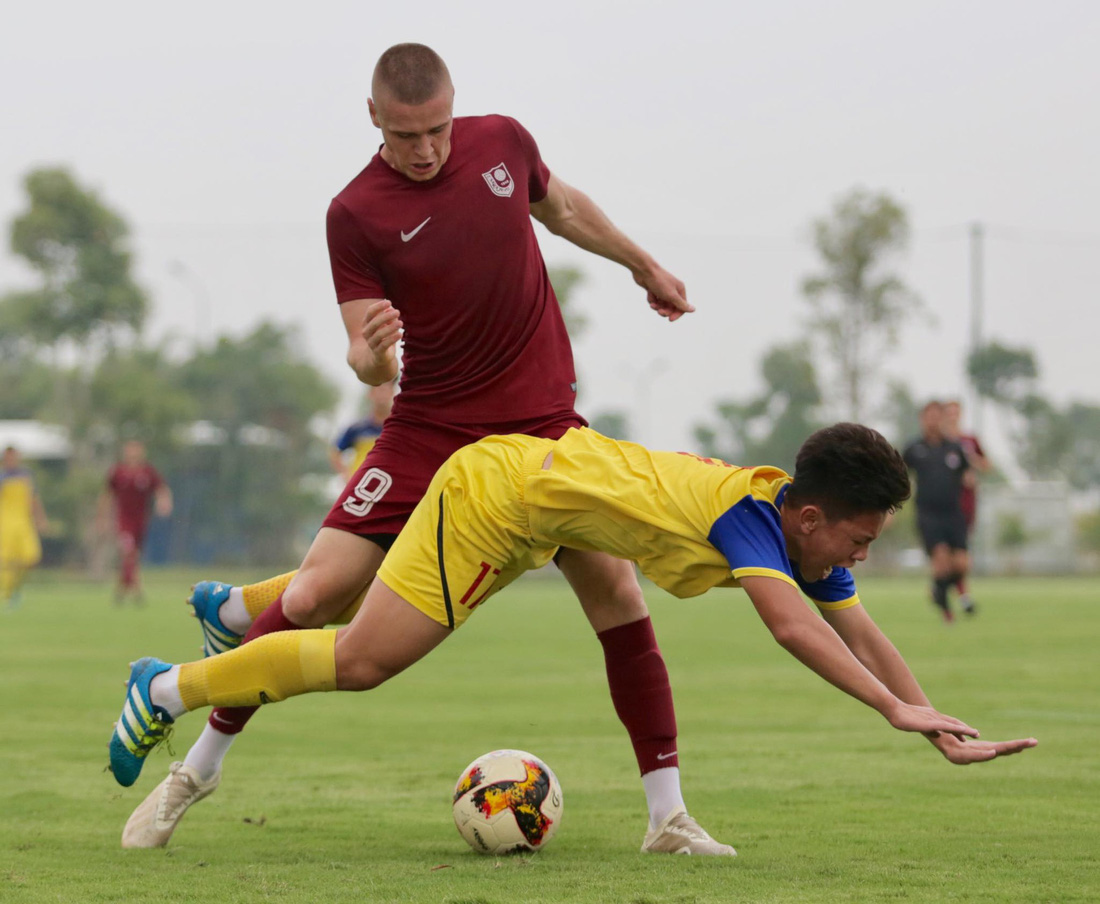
(862, 636)
(336, 460)
(816, 645)
(104, 510)
(38, 512)
(374, 327)
(570, 213)
(162, 500)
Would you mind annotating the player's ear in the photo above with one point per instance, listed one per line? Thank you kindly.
(810, 518)
(373, 113)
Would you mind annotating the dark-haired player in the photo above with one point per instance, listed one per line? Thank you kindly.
(690, 523)
(433, 243)
(942, 468)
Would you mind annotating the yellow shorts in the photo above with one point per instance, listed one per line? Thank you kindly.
(469, 536)
(19, 546)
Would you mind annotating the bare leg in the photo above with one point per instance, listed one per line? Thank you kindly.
(387, 635)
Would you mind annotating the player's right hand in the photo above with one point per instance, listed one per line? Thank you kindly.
(382, 330)
(910, 717)
(962, 752)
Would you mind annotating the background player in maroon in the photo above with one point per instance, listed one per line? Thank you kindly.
(433, 243)
(968, 497)
(133, 487)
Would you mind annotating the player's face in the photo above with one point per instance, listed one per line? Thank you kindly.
(133, 453)
(931, 421)
(417, 137)
(825, 544)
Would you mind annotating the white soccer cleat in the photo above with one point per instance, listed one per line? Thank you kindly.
(680, 834)
(156, 818)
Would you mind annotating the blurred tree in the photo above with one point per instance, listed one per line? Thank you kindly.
(615, 424)
(902, 412)
(565, 279)
(856, 308)
(25, 385)
(770, 428)
(77, 245)
(1083, 465)
(1002, 374)
(86, 302)
(259, 396)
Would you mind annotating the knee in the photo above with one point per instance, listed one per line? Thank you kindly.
(613, 602)
(310, 603)
(359, 674)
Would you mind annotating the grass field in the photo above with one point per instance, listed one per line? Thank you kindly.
(346, 798)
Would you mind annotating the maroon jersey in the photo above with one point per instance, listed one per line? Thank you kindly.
(457, 255)
(968, 496)
(133, 488)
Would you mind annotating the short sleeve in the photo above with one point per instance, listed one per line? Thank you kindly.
(538, 174)
(345, 440)
(748, 534)
(353, 272)
(837, 590)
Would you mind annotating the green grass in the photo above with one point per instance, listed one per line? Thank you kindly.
(345, 797)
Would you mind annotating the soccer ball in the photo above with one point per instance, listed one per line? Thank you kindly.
(507, 801)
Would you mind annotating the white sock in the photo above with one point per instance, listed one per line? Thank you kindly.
(662, 793)
(233, 613)
(164, 690)
(207, 753)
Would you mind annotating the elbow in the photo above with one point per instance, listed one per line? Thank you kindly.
(789, 636)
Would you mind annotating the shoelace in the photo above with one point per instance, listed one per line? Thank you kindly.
(156, 733)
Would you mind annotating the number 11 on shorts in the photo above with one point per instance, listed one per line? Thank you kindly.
(473, 588)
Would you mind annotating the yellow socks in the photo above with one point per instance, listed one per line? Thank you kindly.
(258, 597)
(265, 670)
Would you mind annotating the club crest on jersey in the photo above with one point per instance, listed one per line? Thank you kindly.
(500, 180)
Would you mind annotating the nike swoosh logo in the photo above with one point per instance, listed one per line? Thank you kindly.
(226, 721)
(666, 756)
(406, 236)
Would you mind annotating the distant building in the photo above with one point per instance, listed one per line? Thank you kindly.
(37, 441)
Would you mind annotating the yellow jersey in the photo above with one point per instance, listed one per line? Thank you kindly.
(690, 523)
(493, 512)
(17, 498)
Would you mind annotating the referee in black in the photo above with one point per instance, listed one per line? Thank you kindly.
(941, 469)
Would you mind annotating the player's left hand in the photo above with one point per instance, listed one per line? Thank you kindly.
(665, 293)
(963, 752)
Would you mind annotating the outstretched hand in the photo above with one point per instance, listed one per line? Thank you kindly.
(962, 752)
(910, 717)
(665, 293)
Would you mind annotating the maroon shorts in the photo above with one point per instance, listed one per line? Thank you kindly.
(381, 495)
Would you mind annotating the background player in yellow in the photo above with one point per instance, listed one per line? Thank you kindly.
(349, 449)
(22, 517)
(506, 503)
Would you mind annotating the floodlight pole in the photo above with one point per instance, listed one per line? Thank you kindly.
(977, 275)
(200, 297)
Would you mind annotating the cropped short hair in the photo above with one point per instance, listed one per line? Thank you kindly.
(410, 74)
(849, 470)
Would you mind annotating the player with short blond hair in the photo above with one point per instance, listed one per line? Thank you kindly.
(433, 244)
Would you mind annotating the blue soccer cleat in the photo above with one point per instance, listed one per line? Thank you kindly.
(142, 726)
(206, 598)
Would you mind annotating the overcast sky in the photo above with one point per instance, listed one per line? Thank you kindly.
(712, 133)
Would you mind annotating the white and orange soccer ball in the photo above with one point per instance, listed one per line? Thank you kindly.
(507, 801)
